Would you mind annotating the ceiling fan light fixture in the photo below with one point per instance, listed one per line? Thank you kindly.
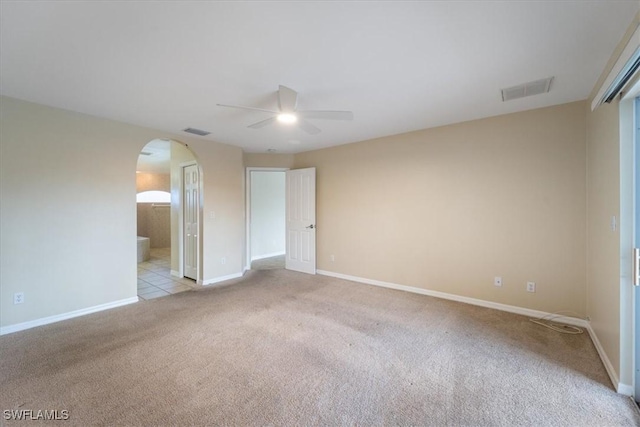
(287, 113)
(287, 118)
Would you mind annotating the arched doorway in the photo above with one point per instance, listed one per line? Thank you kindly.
(168, 251)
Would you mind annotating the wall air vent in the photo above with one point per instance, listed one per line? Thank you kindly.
(196, 131)
(527, 89)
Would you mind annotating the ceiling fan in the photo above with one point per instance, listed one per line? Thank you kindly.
(287, 113)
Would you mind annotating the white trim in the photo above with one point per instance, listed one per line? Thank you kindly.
(221, 279)
(175, 273)
(621, 63)
(605, 361)
(64, 316)
(271, 255)
(625, 389)
(482, 303)
(632, 92)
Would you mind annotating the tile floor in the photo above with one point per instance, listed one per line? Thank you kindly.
(155, 279)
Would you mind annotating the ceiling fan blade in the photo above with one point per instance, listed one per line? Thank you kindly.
(242, 107)
(308, 127)
(329, 115)
(262, 123)
(287, 99)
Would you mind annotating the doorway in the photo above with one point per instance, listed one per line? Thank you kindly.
(296, 224)
(265, 218)
(160, 205)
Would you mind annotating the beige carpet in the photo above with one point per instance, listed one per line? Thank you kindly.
(282, 348)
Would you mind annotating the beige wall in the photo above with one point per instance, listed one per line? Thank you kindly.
(603, 202)
(153, 221)
(261, 160)
(153, 182)
(449, 208)
(69, 213)
(610, 193)
(222, 174)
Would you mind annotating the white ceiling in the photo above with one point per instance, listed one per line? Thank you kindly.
(399, 66)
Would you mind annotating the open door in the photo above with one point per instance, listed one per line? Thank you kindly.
(301, 220)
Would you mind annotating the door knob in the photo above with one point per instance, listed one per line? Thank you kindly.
(309, 226)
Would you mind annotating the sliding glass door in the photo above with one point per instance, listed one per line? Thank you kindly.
(636, 244)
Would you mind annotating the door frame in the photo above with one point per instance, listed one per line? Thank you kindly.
(247, 214)
(180, 210)
(629, 344)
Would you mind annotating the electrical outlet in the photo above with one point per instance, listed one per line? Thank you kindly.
(497, 281)
(333, 258)
(531, 286)
(223, 260)
(18, 298)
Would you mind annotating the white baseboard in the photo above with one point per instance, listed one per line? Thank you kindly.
(222, 279)
(271, 255)
(626, 389)
(175, 273)
(605, 359)
(473, 301)
(64, 316)
(621, 388)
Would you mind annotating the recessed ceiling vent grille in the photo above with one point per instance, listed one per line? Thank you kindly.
(527, 89)
(197, 131)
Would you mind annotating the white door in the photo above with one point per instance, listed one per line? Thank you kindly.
(301, 220)
(190, 220)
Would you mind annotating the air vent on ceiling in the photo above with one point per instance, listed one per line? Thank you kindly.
(197, 131)
(527, 89)
(145, 153)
